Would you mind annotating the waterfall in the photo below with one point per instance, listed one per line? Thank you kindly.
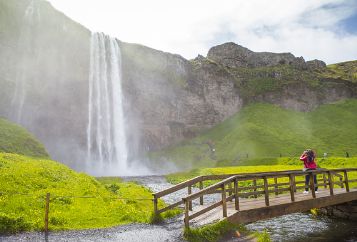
(106, 140)
(26, 50)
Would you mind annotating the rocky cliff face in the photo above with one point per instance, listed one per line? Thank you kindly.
(44, 68)
(281, 79)
(233, 55)
(171, 99)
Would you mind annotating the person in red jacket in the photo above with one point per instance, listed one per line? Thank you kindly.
(308, 157)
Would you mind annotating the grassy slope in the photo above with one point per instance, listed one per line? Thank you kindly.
(265, 130)
(25, 181)
(15, 139)
(345, 70)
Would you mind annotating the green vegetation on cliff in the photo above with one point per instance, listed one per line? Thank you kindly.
(345, 70)
(15, 139)
(78, 201)
(265, 130)
(255, 81)
(259, 80)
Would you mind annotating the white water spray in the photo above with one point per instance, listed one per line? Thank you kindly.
(106, 139)
(25, 50)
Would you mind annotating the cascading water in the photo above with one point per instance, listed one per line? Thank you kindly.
(26, 50)
(106, 140)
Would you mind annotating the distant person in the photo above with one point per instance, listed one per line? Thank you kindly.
(308, 157)
(347, 155)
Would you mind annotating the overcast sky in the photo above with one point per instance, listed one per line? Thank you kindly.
(314, 29)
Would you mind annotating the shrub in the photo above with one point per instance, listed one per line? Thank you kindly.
(12, 224)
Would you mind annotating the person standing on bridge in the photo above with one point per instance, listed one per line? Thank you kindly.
(308, 157)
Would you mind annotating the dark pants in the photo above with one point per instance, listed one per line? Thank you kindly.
(307, 182)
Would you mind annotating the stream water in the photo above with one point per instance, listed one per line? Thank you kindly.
(294, 227)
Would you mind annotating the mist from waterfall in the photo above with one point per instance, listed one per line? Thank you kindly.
(107, 151)
(25, 48)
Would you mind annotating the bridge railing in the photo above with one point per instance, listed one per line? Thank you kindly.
(256, 184)
(189, 184)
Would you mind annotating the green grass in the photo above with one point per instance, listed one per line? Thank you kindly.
(259, 80)
(211, 232)
(262, 236)
(265, 130)
(271, 165)
(17, 140)
(345, 70)
(78, 201)
(181, 176)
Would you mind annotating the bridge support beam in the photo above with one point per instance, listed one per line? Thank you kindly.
(253, 215)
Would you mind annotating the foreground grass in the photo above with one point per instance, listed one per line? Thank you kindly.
(15, 139)
(211, 232)
(78, 201)
(217, 231)
(265, 130)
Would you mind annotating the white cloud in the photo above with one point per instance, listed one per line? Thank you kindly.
(304, 27)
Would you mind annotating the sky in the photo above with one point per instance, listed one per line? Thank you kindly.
(314, 29)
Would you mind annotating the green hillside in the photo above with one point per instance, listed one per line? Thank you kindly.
(265, 130)
(78, 201)
(15, 139)
(344, 70)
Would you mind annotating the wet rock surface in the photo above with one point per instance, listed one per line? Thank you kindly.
(134, 232)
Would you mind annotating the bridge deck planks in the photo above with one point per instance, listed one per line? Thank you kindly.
(259, 203)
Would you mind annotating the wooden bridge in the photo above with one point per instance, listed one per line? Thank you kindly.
(250, 197)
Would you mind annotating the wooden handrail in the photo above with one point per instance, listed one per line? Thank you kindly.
(207, 189)
(232, 179)
(178, 187)
(291, 186)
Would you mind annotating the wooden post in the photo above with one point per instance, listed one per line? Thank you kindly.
(266, 191)
(201, 197)
(325, 181)
(155, 204)
(276, 185)
(346, 181)
(312, 185)
(186, 219)
(330, 182)
(47, 210)
(236, 196)
(189, 188)
(255, 187)
(341, 181)
(294, 183)
(291, 180)
(224, 202)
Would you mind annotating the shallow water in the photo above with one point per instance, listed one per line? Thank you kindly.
(304, 226)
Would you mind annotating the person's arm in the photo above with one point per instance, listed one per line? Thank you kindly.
(303, 156)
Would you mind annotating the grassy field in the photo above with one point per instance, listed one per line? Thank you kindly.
(78, 201)
(265, 130)
(15, 139)
(270, 164)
